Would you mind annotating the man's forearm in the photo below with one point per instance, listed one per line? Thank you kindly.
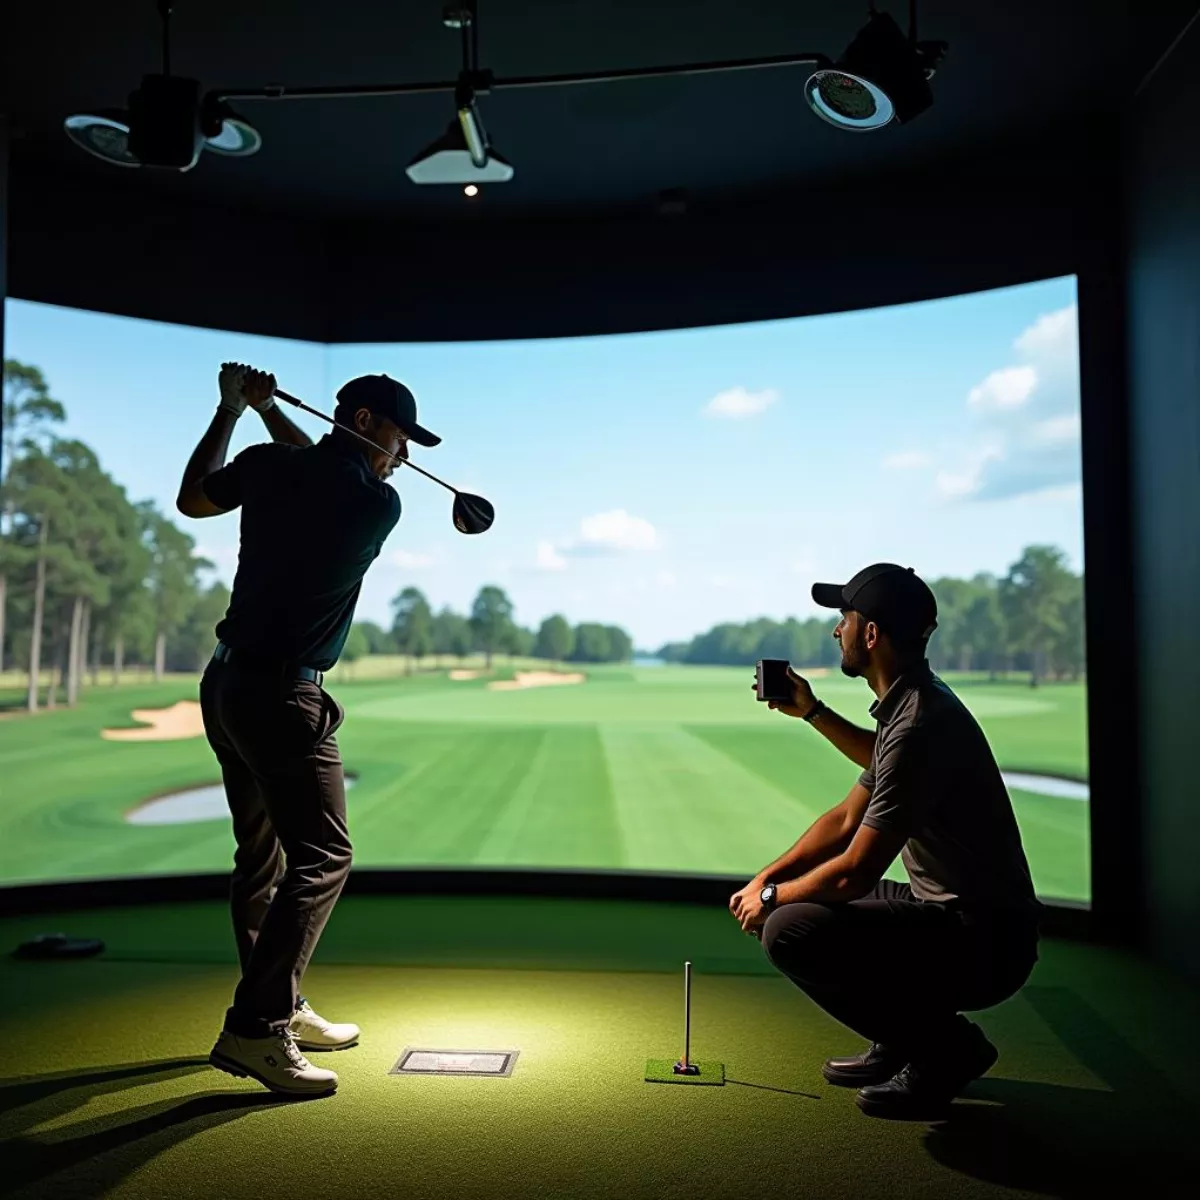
(828, 883)
(283, 429)
(209, 455)
(855, 743)
(826, 838)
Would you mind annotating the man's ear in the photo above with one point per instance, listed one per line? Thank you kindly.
(871, 635)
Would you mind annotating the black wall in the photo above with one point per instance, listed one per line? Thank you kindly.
(1013, 213)
(1163, 281)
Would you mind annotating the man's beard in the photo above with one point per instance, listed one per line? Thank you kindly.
(854, 658)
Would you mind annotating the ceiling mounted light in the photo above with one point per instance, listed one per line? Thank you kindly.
(166, 124)
(882, 78)
(104, 133)
(462, 155)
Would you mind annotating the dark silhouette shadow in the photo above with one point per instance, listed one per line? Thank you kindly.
(1138, 1132)
(114, 1145)
(28, 1100)
(766, 1087)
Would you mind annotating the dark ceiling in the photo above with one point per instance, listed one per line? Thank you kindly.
(1014, 67)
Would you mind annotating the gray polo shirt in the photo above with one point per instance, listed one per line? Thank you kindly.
(933, 779)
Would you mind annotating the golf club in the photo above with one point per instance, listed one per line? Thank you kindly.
(472, 514)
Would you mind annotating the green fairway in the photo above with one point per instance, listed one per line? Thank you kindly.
(653, 769)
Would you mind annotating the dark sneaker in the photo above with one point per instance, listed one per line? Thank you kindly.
(876, 1065)
(923, 1091)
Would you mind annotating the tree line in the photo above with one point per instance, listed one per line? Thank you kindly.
(1030, 619)
(88, 577)
(490, 628)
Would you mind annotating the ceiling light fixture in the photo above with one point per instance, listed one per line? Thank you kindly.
(882, 79)
(167, 122)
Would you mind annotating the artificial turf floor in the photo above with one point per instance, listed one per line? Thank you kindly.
(106, 1092)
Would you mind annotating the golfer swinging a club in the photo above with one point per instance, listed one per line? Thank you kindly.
(899, 963)
(314, 518)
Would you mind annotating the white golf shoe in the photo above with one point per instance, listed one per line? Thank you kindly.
(276, 1062)
(313, 1032)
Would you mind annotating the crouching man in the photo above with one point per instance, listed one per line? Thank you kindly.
(900, 963)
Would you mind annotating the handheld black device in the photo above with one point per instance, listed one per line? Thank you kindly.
(772, 679)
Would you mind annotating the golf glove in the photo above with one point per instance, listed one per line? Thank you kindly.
(233, 398)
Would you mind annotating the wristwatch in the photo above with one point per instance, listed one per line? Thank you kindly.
(767, 895)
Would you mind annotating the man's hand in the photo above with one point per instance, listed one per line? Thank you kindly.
(802, 702)
(232, 382)
(259, 388)
(747, 907)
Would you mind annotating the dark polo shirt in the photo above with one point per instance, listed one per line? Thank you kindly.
(314, 518)
(933, 779)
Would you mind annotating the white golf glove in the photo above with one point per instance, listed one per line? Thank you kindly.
(233, 398)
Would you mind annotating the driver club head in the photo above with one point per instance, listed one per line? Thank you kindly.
(472, 514)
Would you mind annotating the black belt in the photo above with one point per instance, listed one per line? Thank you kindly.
(266, 666)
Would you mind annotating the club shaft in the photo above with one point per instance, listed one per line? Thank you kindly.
(316, 412)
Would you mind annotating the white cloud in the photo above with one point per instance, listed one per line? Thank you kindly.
(1056, 430)
(1005, 389)
(411, 561)
(665, 579)
(967, 479)
(1050, 333)
(617, 530)
(549, 559)
(612, 532)
(907, 460)
(736, 403)
(1028, 418)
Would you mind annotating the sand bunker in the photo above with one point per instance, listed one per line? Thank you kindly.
(182, 720)
(460, 675)
(532, 679)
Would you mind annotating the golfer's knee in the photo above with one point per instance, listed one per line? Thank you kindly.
(793, 934)
(320, 867)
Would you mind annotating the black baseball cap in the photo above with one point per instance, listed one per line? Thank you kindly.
(387, 397)
(895, 598)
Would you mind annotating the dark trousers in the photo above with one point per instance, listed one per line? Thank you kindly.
(274, 738)
(898, 970)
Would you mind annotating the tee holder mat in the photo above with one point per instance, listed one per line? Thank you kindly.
(704, 1074)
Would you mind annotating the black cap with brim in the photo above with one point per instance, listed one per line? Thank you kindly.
(894, 597)
(387, 397)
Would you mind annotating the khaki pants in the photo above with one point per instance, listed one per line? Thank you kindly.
(274, 738)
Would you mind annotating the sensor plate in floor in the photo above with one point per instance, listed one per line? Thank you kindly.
(415, 1061)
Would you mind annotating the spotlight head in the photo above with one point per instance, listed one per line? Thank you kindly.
(881, 78)
(104, 133)
(107, 134)
(226, 132)
(471, 191)
(164, 122)
(450, 160)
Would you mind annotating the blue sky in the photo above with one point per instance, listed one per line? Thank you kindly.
(661, 481)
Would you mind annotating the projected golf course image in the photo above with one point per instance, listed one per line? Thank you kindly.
(569, 687)
(656, 768)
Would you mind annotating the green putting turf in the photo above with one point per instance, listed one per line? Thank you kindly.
(105, 1091)
(659, 769)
